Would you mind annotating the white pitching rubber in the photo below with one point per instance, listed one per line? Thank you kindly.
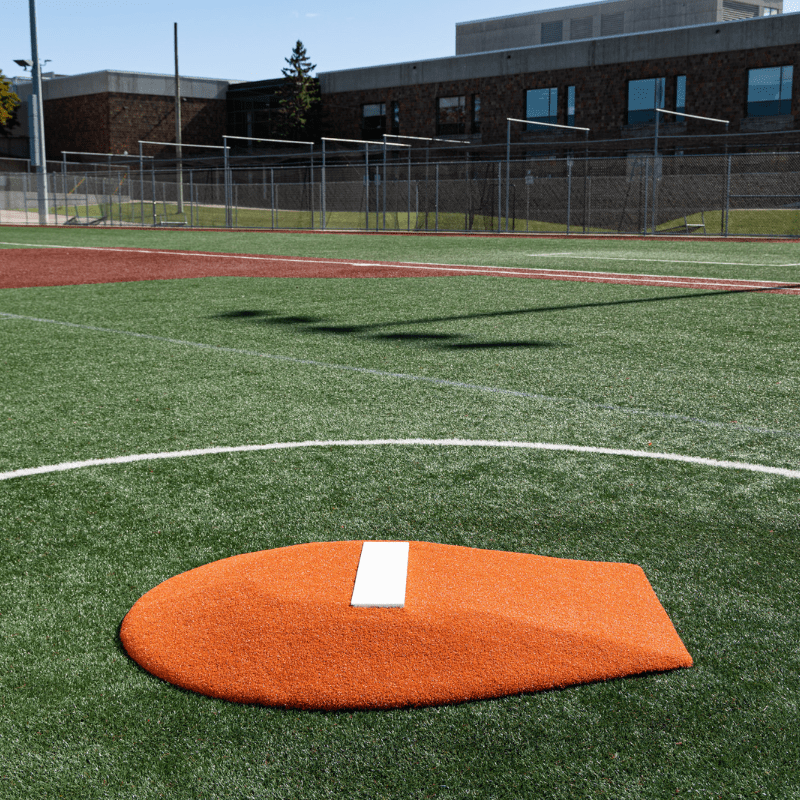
(381, 576)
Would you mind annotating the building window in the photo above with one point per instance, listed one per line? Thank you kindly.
(451, 117)
(644, 97)
(771, 12)
(476, 113)
(769, 91)
(552, 32)
(732, 9)
(680, 94)
(395, 118)
(541, 105)
(570, 105)
(612, 24)
(373, 120)
(580, 28)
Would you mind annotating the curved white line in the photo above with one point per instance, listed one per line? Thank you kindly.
(572, 448)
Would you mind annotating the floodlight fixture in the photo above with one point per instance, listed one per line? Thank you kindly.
(24, 62)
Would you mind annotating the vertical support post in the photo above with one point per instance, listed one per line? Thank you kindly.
(226, 170)
(436, 216)
(646, 193)
(655, 165)
(272, 197)
(178, 127)
(141, 181)
(366, 183)
(312, 187)
(153, 185)
(384, 184)
(324, 200)
(37, 131)
(499, 195)
(191, 198)
(569, 191)
(727, 193)
(508, 168)
(25, 194)
(408, 221)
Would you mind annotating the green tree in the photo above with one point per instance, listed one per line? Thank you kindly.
(299, 97)
(9, 102)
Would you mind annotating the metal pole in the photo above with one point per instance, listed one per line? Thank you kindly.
(366, 182)
(508, 168)
(384, 184)
(141, 181)
(655, 165)
(228, 220)
(272, 195)
(436, 216)
(408, 221)
(178, 129)
(324, 221)
(37, 106)
(153, 181)
(728, 194)
(569, 191)
(499, 195)
(312, 187)
(25, 194)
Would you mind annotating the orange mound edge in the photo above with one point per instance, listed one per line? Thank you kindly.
(276, 628)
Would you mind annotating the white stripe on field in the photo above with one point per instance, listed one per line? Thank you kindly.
(658, 260)
(250, 448)
(405, 376)
(432, 266)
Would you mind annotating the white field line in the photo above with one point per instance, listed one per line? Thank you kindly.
(250, 448)
(724, 283)
(473, 387)
(658, 260)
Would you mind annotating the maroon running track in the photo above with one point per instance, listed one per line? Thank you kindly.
(70, 266)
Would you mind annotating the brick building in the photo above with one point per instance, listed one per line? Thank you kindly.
(742, 70)
(110, 111)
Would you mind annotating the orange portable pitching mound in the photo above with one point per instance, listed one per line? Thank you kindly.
(277, 628)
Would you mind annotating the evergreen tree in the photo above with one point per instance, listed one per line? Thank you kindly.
(299, 96)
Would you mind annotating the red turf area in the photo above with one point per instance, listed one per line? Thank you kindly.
(65, 266)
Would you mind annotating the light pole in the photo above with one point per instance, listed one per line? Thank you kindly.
(36, 116)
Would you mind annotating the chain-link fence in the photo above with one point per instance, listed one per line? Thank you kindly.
(754, 194)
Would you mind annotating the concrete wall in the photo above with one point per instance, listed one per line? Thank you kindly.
(591, 20)
(725, 37)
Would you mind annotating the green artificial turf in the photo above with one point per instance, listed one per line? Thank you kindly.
(233, 361)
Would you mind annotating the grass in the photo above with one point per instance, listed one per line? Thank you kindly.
(699, 373)
(741, 222)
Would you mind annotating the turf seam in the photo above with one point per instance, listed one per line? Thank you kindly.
(475, 387)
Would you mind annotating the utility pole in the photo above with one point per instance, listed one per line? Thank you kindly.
(178, 132)
(38, 156)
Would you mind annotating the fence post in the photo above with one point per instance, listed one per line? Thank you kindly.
(436, 216)
(191, 198)
(25, 192)
(272, 197)
(408, 221)
(323, 189)
(499, 196)
(569, 191)
(728, 193)
(86, 196)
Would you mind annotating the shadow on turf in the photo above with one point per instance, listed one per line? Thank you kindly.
(440, 340)
(316, 324)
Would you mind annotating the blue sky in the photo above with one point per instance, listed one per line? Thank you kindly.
(245, 40)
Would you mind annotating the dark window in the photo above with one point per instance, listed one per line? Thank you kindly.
(643, 98)
(373, 120)
(769, 91)
(732, 9)
(612, 24)
(580, 28)
(570, 105)
(451, 117)
(680, 94)
(552, 32)
(395, 118)
(541, 105)
(476, 113)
